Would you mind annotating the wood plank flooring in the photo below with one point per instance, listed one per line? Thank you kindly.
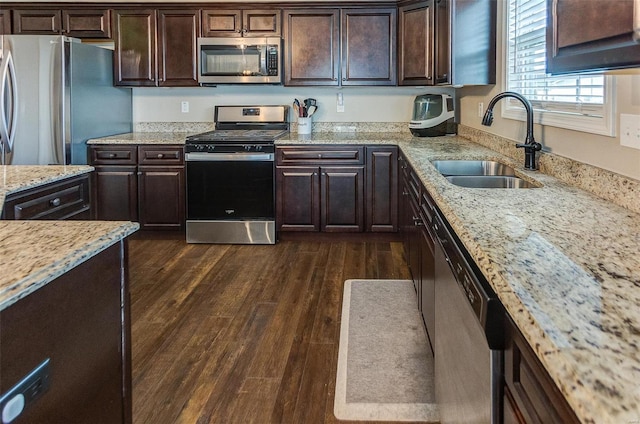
(242, 334)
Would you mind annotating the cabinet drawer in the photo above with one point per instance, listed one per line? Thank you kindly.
(60, 200)
(160, 155)
(320, 155)
(113, 155)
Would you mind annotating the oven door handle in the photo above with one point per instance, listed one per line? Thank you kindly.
(227, 157)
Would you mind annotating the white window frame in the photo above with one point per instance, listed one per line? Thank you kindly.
(574, 116)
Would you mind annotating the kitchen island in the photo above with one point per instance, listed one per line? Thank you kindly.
(64, 298)
(562, 258)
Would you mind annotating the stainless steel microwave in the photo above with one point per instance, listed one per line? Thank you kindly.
(239, 60)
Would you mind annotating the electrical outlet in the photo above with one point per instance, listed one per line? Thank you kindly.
(184, 107)
(630, 130)
(480, 109)
(340, 103)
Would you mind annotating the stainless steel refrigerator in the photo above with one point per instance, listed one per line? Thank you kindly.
(55, 94)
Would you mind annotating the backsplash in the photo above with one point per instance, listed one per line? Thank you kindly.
(195, 127)
(621, 190)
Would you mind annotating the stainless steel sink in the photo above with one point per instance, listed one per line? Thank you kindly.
(472, 167)
(490, 181)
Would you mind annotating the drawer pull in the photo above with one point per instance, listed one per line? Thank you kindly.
(112, 155)
(160, 156)
(55, 202)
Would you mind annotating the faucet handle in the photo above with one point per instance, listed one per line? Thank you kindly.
(535, 146)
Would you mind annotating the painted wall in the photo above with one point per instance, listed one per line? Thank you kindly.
(362, 104)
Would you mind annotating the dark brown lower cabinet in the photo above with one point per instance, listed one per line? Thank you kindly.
(80, 322)
(298, 198)
(342, 199)
(328, 188)
(161, 197)
(326, 199)
(530, 396)
(115, 193)
(418, 247)
(140, 183)
(382, 188)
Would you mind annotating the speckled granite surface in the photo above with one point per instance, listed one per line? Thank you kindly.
(34, 253)
(564, 261)
(14, 178)
(177, 137)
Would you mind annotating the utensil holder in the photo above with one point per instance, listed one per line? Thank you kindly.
(304, 125)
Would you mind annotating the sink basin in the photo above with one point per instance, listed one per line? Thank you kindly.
(490, 181)
(472, 167)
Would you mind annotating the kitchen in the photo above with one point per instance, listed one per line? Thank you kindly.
(155, 107)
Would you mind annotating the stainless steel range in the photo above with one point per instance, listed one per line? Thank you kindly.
(230, 176)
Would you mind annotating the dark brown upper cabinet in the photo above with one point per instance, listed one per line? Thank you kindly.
(340, 47)
(155, 47)
(135, 47)
(80, 22)
(415, 49)
(5, 21)
(178, 31)
(312, 43)
(236, 22)
(589, 35)
(369, 46)
(459, 46)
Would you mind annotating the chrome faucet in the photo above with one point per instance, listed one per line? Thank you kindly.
(530, 146)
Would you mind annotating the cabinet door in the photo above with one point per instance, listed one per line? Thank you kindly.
(298, 198)
(178, 31)
(87, 23)
(135, 47)
(115, 193)
(5, 21)
(342, 199)
(368, 46)
(442, 39)
(587, 35)
(37, 21)
(161, 197)
(416, 45)
(261, 23)
(221, 23)
(382, 189)
(427, 284)
(311, 38)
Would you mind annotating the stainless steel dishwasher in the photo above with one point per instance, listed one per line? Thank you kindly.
(468, 348)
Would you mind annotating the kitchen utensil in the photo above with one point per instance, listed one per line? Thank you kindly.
(312, 110)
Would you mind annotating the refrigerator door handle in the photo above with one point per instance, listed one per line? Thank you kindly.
(8, 118)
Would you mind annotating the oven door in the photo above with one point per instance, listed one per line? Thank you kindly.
(234, 186)
(230, 198)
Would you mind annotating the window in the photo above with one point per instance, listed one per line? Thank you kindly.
(581, 102)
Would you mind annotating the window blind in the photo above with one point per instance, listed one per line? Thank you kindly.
(583, 94)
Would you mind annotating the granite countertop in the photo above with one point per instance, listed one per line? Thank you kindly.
(144, 138)
(34, 253)
(564, 262)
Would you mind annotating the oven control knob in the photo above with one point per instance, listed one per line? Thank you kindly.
(258, 148)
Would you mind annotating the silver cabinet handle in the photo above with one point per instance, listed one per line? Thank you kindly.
(55, 202)
(8, 118)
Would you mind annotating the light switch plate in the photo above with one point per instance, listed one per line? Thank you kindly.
(630, 130)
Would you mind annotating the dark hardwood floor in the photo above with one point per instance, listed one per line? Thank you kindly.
(242, 334)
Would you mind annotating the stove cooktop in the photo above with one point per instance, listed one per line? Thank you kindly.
(231, 136)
